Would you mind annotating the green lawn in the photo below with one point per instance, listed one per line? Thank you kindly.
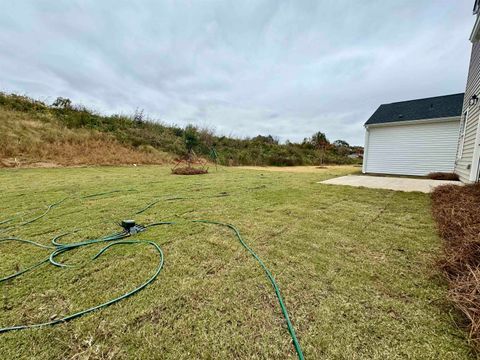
(355, 267)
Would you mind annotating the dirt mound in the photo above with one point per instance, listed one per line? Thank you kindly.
(188, 170)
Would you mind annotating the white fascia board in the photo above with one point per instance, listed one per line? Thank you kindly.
(413, 122)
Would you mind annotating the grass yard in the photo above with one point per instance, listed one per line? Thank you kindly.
(355, 267)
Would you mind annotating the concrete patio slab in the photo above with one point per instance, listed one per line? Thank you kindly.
(390, 183)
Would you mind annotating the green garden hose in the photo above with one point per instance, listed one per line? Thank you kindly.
(100, 194)
(50, 207)
(117, 239)
(291, 330)
(147, 207)
(97, 307)
(5, 221)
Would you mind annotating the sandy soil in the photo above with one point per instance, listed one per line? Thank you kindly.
(301, 169)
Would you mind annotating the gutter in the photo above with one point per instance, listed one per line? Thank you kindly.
(413, 122)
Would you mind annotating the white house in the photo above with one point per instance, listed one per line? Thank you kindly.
(413, 137)
(439, 134)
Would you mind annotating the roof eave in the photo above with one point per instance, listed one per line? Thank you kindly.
(476, 7)
(412, 122)
(474, 36)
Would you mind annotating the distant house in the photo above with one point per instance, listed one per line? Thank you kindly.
(413, 137)
(427, 135)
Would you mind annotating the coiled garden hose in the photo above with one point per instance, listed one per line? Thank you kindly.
(117, 239)
(93, 308)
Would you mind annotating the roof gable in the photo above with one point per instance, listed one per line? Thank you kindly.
(420, 109)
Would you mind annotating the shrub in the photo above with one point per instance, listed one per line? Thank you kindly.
(21, 103)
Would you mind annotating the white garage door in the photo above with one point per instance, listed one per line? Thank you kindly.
(416, 149)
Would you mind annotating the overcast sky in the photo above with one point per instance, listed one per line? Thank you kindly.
(285, 68)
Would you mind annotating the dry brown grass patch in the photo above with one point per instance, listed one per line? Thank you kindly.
(457, 212)
(189, 170)
(41, 141)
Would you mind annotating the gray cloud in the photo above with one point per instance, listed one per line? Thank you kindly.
(286, 68)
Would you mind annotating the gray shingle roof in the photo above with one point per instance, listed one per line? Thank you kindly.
(421, 109)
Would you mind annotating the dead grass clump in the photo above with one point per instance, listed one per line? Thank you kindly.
(466, 295)
(188, 170)
(443, 176)
(457, 212)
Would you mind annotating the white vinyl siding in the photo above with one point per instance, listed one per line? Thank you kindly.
(464, 162)
(413, 149)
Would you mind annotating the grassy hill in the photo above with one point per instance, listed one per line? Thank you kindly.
(37, 133)
(42, 140)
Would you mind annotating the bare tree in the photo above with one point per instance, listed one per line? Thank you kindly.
(138, 116)
(320, 142)
(63, 103)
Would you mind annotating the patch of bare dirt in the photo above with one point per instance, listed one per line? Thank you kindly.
(300, 169)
